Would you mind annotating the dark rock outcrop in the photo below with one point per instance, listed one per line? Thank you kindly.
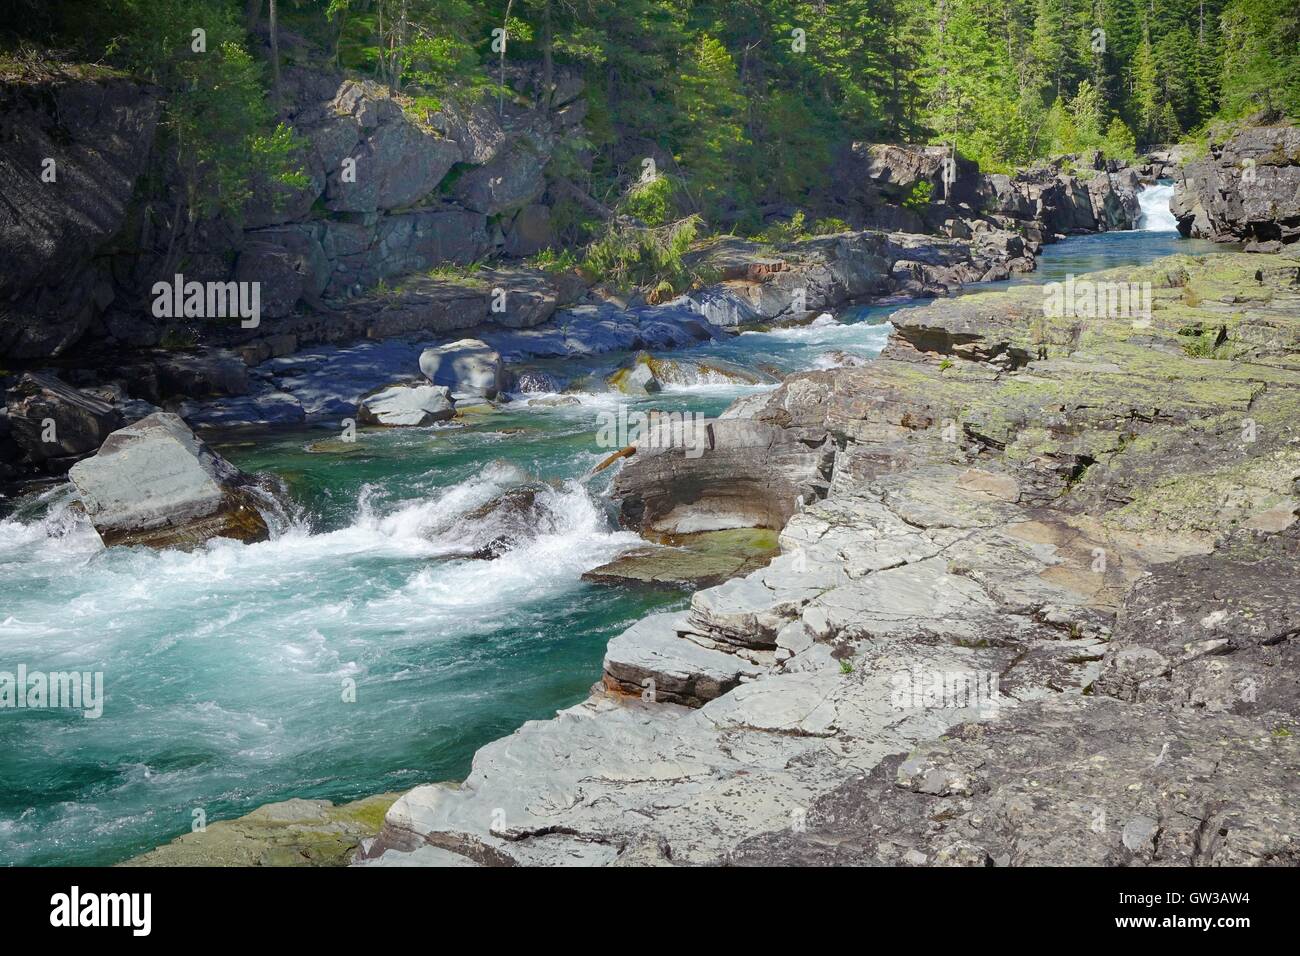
(1247, 189)
(55, 424)
(1217, 633)
(71, 151)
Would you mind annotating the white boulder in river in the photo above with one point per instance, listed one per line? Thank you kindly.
(468, 366)
(155, 483)
(407, 404)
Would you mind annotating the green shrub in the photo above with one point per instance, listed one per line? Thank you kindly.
(629, 256)
(548, 260)
(919, 196)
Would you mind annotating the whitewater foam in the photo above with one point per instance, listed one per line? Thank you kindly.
(1155, 216)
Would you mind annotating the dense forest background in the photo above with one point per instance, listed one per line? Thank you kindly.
(747, 97)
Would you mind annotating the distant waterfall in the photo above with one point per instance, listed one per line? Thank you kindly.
(1156, 216)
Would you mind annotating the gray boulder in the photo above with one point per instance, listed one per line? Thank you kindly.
(155, 483)
(468, 366)
(689, 476)
(514, 178)
(476, 128)
(406, 404)
(397, 162)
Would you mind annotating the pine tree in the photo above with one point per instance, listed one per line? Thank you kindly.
(711, 110)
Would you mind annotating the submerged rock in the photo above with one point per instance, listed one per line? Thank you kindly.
(700, 560)
(290, 833)
(154, 483)
(636, 379)
(533, 382)
(501, 524)
(406, 404)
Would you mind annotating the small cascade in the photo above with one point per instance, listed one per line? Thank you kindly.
(1156, 216)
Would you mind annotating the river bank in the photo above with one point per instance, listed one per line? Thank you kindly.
(1061, 546)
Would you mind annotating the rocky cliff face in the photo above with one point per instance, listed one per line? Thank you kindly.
(871, 181)
(1246, 189)
(71, 152)
(390, 192)
(1028, 610)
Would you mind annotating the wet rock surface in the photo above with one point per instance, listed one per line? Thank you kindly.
(154, 483)
(406, 404)
(292, 833)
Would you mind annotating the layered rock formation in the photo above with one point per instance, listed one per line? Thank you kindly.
(1246, 189)
(1055, 540)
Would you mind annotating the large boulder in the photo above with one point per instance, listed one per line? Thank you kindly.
(155, 483)
(396, 162)
(476, 127)
(675, 484)
(406, 404)
(1001, 194)
(513, 178)
(55, 424)
(467, 366)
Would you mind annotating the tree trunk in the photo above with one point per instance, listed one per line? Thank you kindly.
(275, 59)
(548, 65)
(505, 36)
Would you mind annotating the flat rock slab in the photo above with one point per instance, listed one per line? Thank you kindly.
(657, 660)
(700, 560)
(406, 405)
